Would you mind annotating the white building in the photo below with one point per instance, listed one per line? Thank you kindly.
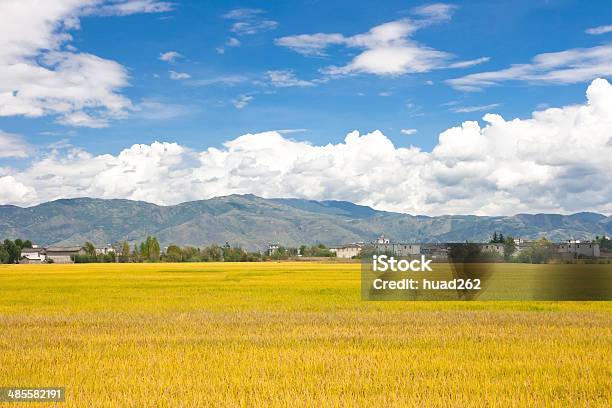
(381, 240)
(346, 251)
(32, 255)
(272, 249)
(105, 250)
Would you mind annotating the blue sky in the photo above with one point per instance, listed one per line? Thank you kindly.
(95, 77)
(199, 116)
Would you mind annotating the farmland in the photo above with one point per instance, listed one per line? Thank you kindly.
(288, 334)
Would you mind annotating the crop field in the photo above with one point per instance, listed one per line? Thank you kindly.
(288, 334)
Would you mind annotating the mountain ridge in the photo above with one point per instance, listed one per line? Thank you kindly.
(252, 222)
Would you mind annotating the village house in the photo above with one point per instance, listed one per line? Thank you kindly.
(435, 252)
(347, 251)
(33, 255)
(105, 250)
(493, 247)
(384, 245)
(577, 249)
(63, 255)
(273, 249)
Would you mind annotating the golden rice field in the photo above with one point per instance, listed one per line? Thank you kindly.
(288, 335)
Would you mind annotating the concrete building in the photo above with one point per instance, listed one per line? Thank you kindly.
(384, 245)
(63, 254)
(273, 249)
(105, 250)
(346, 251)
(577, 249)
(436, 252)
(493, 247)
(32, 255)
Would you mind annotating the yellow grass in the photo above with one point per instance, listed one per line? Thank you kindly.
(288, 334)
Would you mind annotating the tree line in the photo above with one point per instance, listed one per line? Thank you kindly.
(150, 251)
(10, 251)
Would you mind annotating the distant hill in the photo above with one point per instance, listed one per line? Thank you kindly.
(253, 222)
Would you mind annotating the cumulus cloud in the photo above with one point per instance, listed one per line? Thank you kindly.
(558, 160)
(42, 74)
(12, 191)
(564, 67)
(249, 21)
(12, 145)
(408, 132)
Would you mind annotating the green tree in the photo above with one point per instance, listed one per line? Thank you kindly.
(149, 250)
(540, 251)
(89, 248)
(4, 255)
(125, 252)
(174, 254)
(509, 247)
(605, 243)
(13, 251)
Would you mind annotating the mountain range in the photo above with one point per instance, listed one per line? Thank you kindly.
(253, 222)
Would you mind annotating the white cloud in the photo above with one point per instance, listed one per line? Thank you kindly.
(599, 30)
(469, 63)
(83, 119)
(558, 160)
(469, 109)
(242, 101)
(232, 42)
(408, 132)
(228, 80)
(170, 56)
(311, 44)
(12, 145)
(42, 74)
(249, 21)
(387, 49)
(286, 79)
(242, 14)
(290, 131)
(127, 7)
(177, 76)
(436, 11)
(12, 191)
(564, 67)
